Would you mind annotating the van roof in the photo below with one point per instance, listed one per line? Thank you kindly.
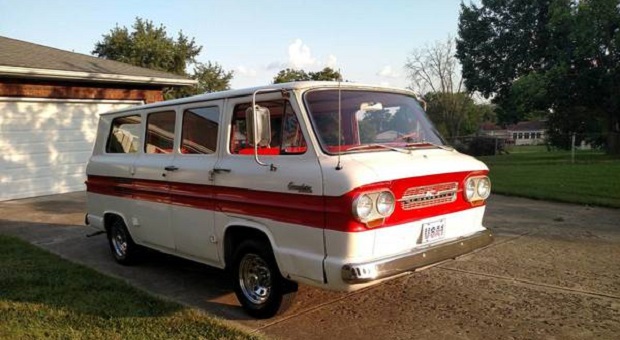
(298, 85)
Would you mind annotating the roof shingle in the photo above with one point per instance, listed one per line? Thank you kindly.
(17, 53)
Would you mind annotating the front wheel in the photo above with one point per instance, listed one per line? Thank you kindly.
(260, 288)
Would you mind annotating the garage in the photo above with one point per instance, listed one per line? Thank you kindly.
(45, 144)
(50, 101)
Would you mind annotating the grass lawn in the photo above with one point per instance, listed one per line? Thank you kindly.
(44, 296)
(533, 172)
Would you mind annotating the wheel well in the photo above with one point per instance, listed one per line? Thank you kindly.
(109, 219)
(237, 234)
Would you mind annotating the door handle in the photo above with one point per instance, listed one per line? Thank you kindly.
(171, 168)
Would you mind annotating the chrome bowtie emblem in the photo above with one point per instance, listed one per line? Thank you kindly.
(430, 193)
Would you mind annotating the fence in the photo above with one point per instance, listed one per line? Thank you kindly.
(484, 145)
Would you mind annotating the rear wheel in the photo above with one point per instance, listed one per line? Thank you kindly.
(260, 288)
(124, 250)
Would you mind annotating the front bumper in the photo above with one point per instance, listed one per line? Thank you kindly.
(374, 270)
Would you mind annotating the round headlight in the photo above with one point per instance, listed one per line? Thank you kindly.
(484, 187)
(470, 189)
(385, 203)
(363, 206)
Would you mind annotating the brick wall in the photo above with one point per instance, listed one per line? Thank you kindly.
(68, 90)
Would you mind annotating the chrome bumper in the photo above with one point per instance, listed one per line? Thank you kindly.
(374, 270)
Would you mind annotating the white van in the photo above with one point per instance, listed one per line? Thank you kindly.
(335, 185)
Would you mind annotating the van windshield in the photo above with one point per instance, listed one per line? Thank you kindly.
(369, 121)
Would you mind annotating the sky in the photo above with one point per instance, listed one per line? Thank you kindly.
(368, 41)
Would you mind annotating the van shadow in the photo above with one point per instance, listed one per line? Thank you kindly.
(191, 283)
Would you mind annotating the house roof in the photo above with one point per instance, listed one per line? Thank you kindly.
(27, 60)
(490, 126)
(527, 126)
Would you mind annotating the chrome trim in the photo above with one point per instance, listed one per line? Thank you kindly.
(374, 270)
(429, 195)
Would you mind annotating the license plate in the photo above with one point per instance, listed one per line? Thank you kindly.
(433, 231)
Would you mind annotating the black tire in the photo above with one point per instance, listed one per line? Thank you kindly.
(123, 248)
(259, 286)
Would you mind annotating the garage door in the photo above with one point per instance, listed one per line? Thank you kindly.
(45, 144)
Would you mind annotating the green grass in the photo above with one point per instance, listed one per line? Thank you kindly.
(534, 172)
(44, 296)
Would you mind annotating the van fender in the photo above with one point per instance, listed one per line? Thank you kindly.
(122, 216)
(284, 264)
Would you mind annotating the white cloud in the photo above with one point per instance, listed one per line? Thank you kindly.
(300, 58)
(388, 72)
(299, 55)
(331, 61)
(245, 72)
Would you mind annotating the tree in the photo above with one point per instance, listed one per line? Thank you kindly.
(569, 49)
(454, 114)
(327, 74)
(500, 41)
(290, 75)
(434, 70)
(212, 77)
(585, 78)
(149, 46)
(526, 99)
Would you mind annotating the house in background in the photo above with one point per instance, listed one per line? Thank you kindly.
(527, 133)
(489, 129)
(50, 101)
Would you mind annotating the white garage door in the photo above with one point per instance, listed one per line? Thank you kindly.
(45, 144)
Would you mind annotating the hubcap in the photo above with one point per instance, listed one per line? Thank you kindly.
(255, 278)
(119, 242)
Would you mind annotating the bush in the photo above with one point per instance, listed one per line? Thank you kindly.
(480, 146)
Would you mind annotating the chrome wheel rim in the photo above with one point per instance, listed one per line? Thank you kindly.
(119, 242)
(255, 278)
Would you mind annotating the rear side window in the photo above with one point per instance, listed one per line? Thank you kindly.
(125, 135)
(199, 132)
(159, 132)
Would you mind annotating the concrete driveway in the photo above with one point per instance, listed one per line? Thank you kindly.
(552, 273)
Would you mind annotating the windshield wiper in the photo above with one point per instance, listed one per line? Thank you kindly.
(425, 143)
(374, 145)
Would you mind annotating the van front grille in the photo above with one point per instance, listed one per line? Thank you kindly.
(429, 195)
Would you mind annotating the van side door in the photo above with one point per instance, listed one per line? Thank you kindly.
(151, 210)
(191, 186)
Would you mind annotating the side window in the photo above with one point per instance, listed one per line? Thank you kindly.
(199, 133)
(125, 135)
(159, 132)
(286, 135)
(293, 141)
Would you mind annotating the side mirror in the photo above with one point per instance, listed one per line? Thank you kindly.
(262, 127)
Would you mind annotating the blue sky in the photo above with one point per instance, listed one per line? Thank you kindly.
(369, 41)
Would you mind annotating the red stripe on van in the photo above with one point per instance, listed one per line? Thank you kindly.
(284, 207)
(333, 213)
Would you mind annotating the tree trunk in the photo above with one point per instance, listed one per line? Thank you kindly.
(613, 135)
(613, 143)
